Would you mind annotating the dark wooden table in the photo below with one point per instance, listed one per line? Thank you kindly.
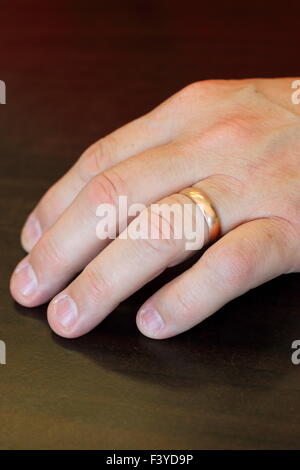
(74, 71)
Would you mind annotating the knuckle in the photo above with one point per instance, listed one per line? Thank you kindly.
(49, 253)
(95, 159)
(182, 304)
(104, 188)
(159, 235)
(228, 134)
(192, 89)
(98, 285)
(184, 100)
(198, 89)
(209, 87)
(231, 265)
(161, 223)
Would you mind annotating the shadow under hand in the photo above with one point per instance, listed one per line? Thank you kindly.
(240, 342)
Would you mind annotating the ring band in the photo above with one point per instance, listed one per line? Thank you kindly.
(207, 209)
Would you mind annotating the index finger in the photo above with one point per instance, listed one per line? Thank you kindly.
(135, 137)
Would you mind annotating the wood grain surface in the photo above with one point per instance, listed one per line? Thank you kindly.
(74, 71)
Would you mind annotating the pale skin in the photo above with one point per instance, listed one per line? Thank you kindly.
(237, 140)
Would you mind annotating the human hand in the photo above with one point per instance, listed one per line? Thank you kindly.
(239, 142)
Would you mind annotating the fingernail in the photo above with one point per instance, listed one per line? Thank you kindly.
(32, 231)
(65, 311)
(151, 321)
(25, 279)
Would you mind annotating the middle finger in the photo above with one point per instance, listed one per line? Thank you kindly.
(71, 243)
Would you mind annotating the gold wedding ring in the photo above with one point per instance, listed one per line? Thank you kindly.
(207, 209)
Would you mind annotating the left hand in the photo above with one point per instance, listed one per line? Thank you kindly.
(239, 142)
